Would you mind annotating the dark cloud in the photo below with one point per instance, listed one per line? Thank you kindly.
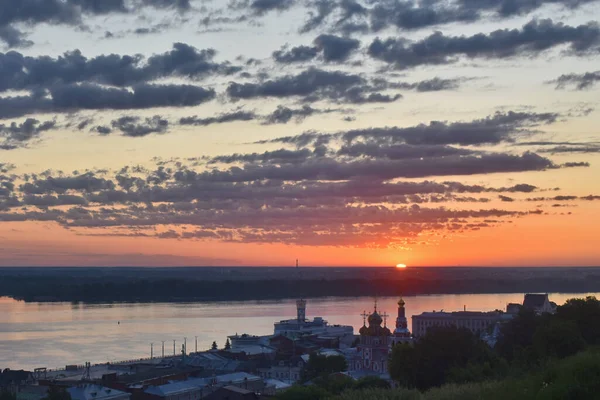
(322, 9)
(573, 148)
(13, 38)
(263, 6)
(509, 8)
(410, 15)
(336, 48)
(86, 183)
(533, 38)
(181, 5)
(67, 12)
(506, 198)
(493, 129)
(102, 129)
(283, 115)
(331, 169)
(578, 81)
(19, 72)
(50, 200)
(277, 156)
(133, 126)
(95, 97)
(350, 16)
(239, 115)
(565, 198)
(575, 164)
(313, 84)
(433, 85)
(401, 151)
(17, 135)
(295, 54)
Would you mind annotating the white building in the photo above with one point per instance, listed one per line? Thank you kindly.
(540, 303)
(477, 322)
(303, 326)
(96, 392)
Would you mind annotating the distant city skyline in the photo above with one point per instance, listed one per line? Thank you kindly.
(339, 133)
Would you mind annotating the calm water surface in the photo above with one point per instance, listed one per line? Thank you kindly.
(56, 334)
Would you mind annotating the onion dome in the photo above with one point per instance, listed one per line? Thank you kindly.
(375, 319)
(386, 331)
(364, 330)
(401, 302)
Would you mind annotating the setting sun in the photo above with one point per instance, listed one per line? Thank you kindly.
(400, 265)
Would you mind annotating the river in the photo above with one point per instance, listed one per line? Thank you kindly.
(53, 335)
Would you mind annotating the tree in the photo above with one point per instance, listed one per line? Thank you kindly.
(516, 335)
(321, 366)
(432, 358)
(303, 393)
(585, 313)
(57, 393)
(227, 345)
(214, 346)
(7, 395)
(371, 382)
(557, 338)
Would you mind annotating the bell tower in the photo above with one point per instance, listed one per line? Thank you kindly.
(301, 310)
(401, 333)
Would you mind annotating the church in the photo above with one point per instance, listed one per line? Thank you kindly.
(375, 342)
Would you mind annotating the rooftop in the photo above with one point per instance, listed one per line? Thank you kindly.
(94, 392)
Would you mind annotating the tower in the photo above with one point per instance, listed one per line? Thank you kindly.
(301, 310)
(401, 333)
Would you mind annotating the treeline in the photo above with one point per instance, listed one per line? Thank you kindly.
(536, 357)
(52, 288)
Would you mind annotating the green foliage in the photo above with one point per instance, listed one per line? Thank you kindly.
(334, 384)
(322, 366)
(585, 313)
(227, 344)
(57, 393)
(214, 346)
(577, 377)
(517, 335)
(380, 394)
(371, 382)
(556, 338)
(430, 360)
(6, 395)
(303, 393)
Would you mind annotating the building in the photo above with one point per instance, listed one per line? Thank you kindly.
(232, 393)
(192, 389)
(372, 350)
(539, 303)
(477, 322)
(401, 333)
(199, 388)
(88, 391)
(302, 326)
(286, 371)
(513, 308)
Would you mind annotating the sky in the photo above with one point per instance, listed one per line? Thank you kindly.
(336, 132)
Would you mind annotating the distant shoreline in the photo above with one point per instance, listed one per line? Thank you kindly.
(95, 285)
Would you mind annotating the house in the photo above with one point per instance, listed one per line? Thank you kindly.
(192, 389)
(513, 308)
(232, 393)
(539, 303)
(477, 322)
(88, 391)
(13, 379)
(287, 371)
